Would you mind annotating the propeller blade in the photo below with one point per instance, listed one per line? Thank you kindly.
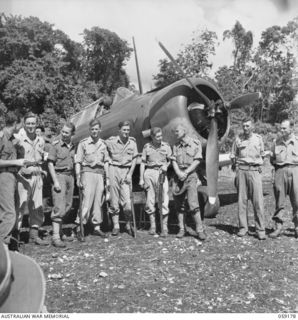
(244, 100)
(212, 156)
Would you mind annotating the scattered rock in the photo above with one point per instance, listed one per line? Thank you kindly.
(55, 276)
(103, 274)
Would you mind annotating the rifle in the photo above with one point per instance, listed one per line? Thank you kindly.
(81, 238)
(133, 211)
(161, 180)
(106, 199)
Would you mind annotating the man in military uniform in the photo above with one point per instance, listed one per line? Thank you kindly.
(92, 164)
(156, 157)
(187, 153)
(247, 156)
(31, 147)
(61, 168)
(9, 166)
(123, 153)
(284, 157)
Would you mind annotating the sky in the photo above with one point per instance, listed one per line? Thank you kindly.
(170, 21)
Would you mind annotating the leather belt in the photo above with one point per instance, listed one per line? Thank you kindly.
(119, 166)
(288, 165)
(249, 167)
(67, 173)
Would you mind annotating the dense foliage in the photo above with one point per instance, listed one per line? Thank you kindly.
(43, 71)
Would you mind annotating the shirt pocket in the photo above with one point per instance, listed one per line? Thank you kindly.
(280, 154)
(254, 152)
(190, 154)
(90, 157)
(100, 155)
(242, 147)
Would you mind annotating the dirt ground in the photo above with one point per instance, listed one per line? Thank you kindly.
(151, 274)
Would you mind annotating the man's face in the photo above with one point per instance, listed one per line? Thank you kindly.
(66, 134)
(157, 138)
(285, 129)
(124, 132)
(247, 127)
(30, 125)
(95, 131)
(179, 132)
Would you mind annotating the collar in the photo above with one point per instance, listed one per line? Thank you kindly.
(185, 142)
(120, 141)
(26, 138)
(91, 141)
(68, 145)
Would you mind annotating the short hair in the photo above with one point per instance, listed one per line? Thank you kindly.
(29, 115)
(247, 119)
(40, 127)
(94, 122)
(123, 123)
(70, 125)
(11, 118)
(291, 122)
(154, 131)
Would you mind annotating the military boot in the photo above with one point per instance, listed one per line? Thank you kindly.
(152, 230)
(277, 232)
(181, 232)
(164, 232)
(116, 227)
(33, 237)
(199, 226)
(56, 241)
(128, 226)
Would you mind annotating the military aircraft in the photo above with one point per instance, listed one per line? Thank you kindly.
(195, 103)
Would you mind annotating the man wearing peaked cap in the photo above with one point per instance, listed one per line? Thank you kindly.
(22, 283)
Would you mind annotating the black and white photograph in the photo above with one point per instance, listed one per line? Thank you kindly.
(149, 159)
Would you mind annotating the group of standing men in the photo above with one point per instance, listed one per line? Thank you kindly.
(247, 156)
(99, 165)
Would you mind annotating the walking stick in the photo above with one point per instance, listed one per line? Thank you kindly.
(133, 211)
(81, 238)
(161, 180)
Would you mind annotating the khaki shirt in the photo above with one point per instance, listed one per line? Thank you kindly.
(92, 154)
(285, 152)
(185, 152)
(30, 150)
(62, 155)
(248, 151)
(122, 154)
(7, 148)
(156, 156)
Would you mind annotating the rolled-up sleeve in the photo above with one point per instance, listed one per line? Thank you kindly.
(80, 154)
(52, 156)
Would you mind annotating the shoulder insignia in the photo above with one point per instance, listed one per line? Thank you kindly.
(132, 138)
(196, 141)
